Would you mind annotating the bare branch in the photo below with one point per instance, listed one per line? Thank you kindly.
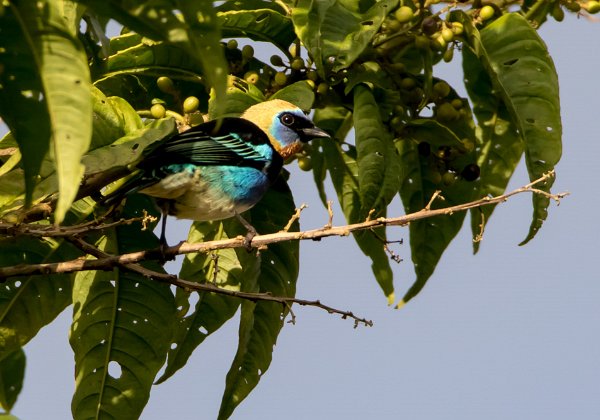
(107, 263)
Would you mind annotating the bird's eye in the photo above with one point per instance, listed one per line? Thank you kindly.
(287, 119)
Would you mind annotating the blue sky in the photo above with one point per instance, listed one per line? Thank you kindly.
(509, 333)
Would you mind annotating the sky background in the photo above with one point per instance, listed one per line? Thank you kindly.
(511, 333)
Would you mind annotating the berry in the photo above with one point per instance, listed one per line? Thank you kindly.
(158, 111)
(457, 28)
(446, 112)
(404, 14)
(448, 178)
(448, 55)
(312, 75)
(297, 64)
(190, 104)
(304, 163)
(165, 84)
(429, 26)
(276, 60)
(247, 52)
(486, 12)
(447, 34)
(457, 103)
(408, 83)
(471, 172)
(421, 42)
(232, 44)
(322, 88)
(251, 77)
(280, 78)
(442, 89)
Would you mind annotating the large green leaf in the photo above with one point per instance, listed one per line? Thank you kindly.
(523, 76)
(12, 373)
(212, 310)
(261, 322)
(259, 25)
(49, 81)
(501, 146)
(191, 26)
(29, 303)
(299, 94)
(121, 331)
(377, 158)
(334, 33)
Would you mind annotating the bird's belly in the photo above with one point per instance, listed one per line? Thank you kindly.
(216, 193)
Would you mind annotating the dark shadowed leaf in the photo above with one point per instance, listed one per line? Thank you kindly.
(12, 373)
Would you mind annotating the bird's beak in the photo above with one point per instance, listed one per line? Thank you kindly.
(312, 132)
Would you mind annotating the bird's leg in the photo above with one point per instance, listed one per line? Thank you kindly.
(250, 234)
(164, 209)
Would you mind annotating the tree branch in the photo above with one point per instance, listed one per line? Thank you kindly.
(109, 262)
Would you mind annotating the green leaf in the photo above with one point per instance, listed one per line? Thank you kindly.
(524, 77)
(261, 322)
(501, 145)
(55, 81)
(12, 373)
(377, 158)
(300, 94)
(42, 298)
(212, 310)
(240, 96)
(121, 331)
(191, 26)
(258, 25)
(334, 34)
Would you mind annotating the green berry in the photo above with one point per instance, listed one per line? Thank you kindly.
(158, 111)
(232, 44)
(593, 7)
(457, 28)
(442, 89)
(323, 88)
(434, 176)
(305, 163)
(457, 103)
(448, 178)
(297, 64)
(448, 55)
(312, 75)
(446, 112)
(558, 13)
(191, 104)
(404, 14)
(247, 52)
(486, 12)
(421, 42)
(447, 34)
(408, 83)
(280, 78)
(165, 84)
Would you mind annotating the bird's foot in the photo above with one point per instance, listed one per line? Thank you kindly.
(250, 234)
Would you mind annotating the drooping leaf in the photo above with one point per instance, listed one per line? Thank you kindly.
(258, 25)
(51, 76)
(377, 158)
(501, 145)
(523, 76)
(12, 373)
(334, 34)
(121, 329)
(261, 322)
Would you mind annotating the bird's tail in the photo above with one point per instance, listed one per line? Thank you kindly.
(131, 185)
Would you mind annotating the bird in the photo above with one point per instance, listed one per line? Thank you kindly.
(221, 168)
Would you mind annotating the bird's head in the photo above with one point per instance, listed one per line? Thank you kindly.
(285, 124)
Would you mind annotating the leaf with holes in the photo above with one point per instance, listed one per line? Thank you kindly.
(261, 322)
(524, 78)
(41, 298)
(121, 331)
(334, 34)
(12, 373)
(49, 81)
(501, 145)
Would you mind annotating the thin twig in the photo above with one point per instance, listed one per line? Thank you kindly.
(295, 216)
